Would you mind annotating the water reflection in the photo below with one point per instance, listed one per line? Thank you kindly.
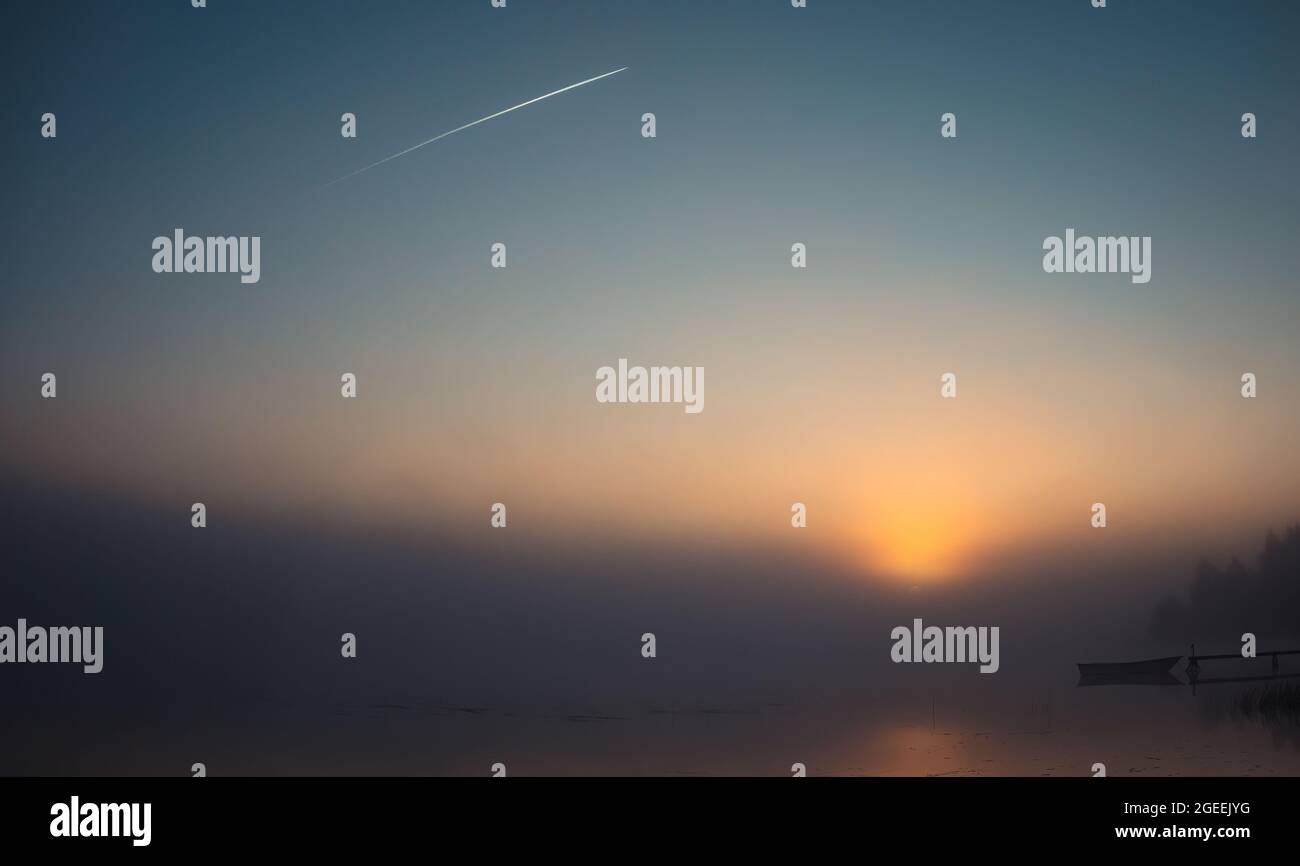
(953, 731)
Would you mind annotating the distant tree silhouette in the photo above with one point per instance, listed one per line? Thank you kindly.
(1222, 603)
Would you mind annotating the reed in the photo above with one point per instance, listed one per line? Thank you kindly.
(1278, 702)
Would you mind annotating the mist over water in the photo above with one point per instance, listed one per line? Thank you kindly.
(222, 645)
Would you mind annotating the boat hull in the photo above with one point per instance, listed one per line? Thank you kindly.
(1162, 679)
(1110, 669)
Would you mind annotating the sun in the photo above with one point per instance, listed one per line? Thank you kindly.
(921, 533)
(917, 548)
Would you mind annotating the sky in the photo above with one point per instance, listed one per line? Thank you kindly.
(476, 385)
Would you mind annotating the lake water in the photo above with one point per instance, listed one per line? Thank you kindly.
(971, 731)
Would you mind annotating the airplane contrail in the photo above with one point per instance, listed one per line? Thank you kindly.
(472, 123)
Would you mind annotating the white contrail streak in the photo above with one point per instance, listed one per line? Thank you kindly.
(472, 123)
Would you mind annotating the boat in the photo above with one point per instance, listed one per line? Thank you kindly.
(1110, 669)
(1140, 679)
